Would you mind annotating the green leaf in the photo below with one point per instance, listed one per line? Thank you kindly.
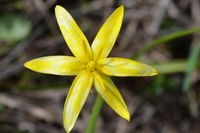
(191, 66)
(14, 27)
(163, 39)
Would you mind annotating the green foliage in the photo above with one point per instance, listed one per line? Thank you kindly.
(162, 40)
(14, 27)
(191, 66)
(174, 66)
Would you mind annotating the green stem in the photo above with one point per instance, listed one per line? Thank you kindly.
(95, 113)
(175, 66)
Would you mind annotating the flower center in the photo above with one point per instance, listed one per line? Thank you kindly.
(91, 66)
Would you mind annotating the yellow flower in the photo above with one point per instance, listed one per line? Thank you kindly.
(90, 65)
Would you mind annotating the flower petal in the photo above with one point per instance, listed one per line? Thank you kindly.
(107, 35)
(73, 35)
(124, 67)
(109, 92)
(57, 65)
(76, 98)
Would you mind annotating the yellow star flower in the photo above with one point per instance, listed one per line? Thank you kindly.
(90, 65)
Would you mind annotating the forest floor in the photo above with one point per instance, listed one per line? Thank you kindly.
(32, 102)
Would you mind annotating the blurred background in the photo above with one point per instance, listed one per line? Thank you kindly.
(31, 102)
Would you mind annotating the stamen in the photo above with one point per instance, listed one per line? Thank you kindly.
(91, 66)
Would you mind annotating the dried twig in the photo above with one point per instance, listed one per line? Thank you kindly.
(159, 14)
(50, 21)
(20, 104)
(17, 67)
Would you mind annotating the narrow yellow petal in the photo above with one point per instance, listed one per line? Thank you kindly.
(107, 35)
(124, 67)
(73, 35)
(110, 94)
(76, 98)
(57, 65)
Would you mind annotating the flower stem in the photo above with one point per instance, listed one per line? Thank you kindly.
(95, 113)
